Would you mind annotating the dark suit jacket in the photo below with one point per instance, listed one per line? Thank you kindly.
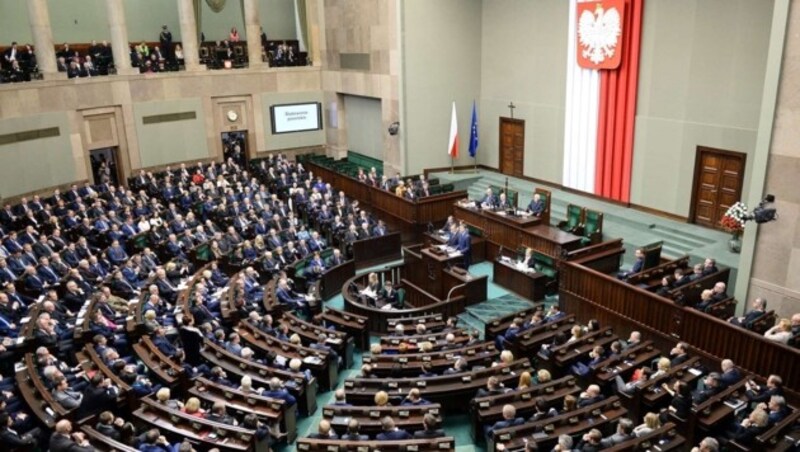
(15, 439)
(393, 435)
(424, 434)
(61, 443)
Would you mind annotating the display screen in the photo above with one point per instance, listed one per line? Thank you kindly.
(296, 117)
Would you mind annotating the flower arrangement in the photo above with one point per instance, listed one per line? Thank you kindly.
(734, 219)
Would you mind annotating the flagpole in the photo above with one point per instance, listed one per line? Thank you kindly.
(452, 165)
(475, 161)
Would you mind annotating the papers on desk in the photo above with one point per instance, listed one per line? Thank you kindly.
(453, 253)
(369, 293)
(280, 360)
(735, 404)
(695, 372)
(312, 360)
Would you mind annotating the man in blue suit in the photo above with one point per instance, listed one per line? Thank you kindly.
(391, 432)
(509, 419)
(489, 200)
(276, 391)
(536, 206)
(464, 245)
(638, 265)
(286, 296)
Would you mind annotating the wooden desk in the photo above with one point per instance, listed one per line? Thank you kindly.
(500, 231)
(443, 444)
(354, 325)
(276, 411)
(450, 390)
(406, 417)
(410, 217)
(176, 424)
(530, 285)
(593, 416)
(614, 302)
(424, 302)
(520, 221)
(477, 244)
(377, 250)
(333, 278)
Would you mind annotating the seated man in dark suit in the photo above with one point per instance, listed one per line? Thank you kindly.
(709, 266)
(638, 265)
(711, 388)
(624, 432)
(510, 334)
(759, 394)
(324, 431)
(590, 396)
(509, 419)
(391, 432)
(536, 206)
(429, 422)
(730, 373)
(14, 439)
(353, 433)
(759, 309)
(465, 245)
(288, 297)
(489, 200)
(276, 391)
(493, 387)
(503, 203)
(389, 296)
(63, 440)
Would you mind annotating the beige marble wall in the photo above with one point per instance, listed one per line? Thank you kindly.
(776, 261)
(360, 26)
(80, 98)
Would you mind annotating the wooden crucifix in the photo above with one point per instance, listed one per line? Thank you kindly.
(511, 108)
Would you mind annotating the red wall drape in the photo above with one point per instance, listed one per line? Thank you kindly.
(617, 112)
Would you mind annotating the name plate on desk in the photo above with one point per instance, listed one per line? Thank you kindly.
(421, 383)
(466, 379)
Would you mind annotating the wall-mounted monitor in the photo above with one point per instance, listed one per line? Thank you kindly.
(287, 118)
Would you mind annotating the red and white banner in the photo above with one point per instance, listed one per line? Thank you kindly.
(452, 146)
(602, 80)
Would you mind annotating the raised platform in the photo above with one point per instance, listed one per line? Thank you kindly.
(636, 227)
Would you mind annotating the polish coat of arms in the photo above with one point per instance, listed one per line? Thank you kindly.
(599, 44)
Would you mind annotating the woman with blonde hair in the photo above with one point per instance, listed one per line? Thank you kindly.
(295, 339)
(651, 422)
(163, 396)
(524, 381)
(543, 376)
(577, 333)
(570, 403)
(192, 406)
(781, 332)
(381, 398)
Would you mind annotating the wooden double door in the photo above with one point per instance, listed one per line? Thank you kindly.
(718, 181)
(512, 146)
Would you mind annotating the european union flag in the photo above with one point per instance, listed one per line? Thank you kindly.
(473, 134)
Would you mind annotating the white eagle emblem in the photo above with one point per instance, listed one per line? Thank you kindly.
(598, 34)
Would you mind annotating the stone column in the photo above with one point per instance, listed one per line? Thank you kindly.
(120, 46)
(252, 26)
(39, 19)
(191, 55)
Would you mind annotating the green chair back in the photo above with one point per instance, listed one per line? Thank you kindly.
(573, 216)
(593, 222)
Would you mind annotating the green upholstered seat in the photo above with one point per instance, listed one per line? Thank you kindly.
(574, 218)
